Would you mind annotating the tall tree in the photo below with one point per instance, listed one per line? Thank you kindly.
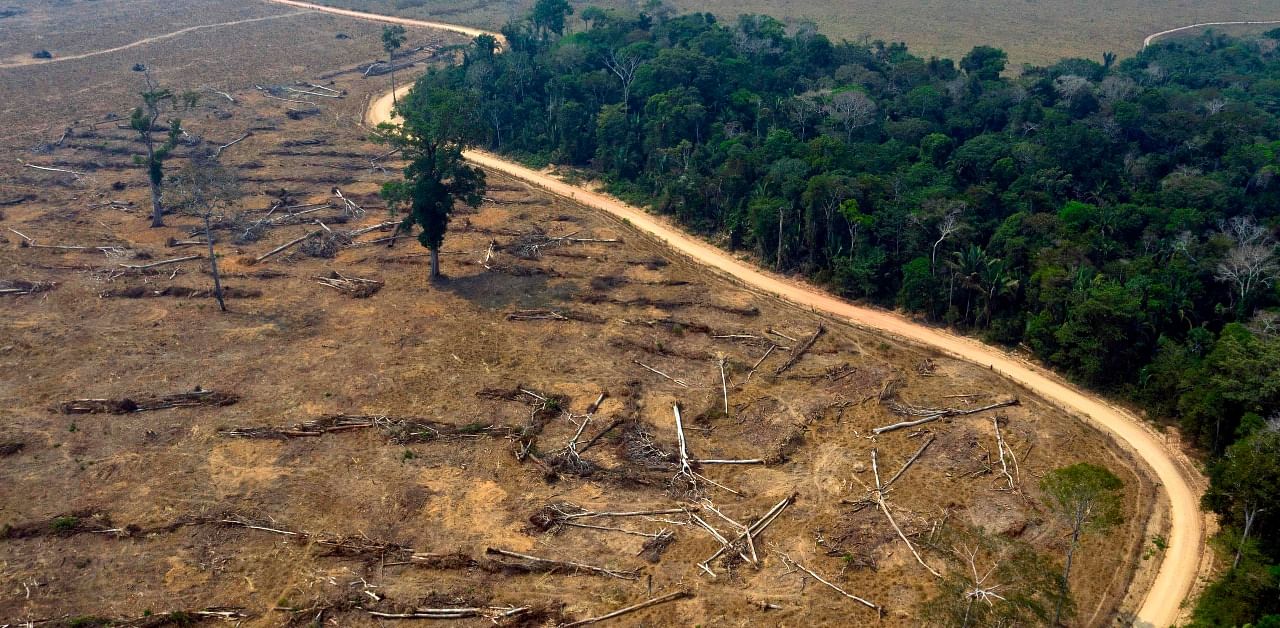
(392, 39)
(437, 124)
(202, 187)
(1087, 498)
(1246, 483)
(144, 120)
(548, 16)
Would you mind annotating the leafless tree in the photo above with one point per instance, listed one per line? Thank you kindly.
(946, 227)
(624, 65)
(1251, 263)
(1215, 106)
(851, 110)
(802, 109)
(1070, 85)
(201, 187)
(1114, 89)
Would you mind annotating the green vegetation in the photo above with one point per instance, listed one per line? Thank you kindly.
(1117, 218)
(64, 524)
(1086, 498)
(392, 39)
(145, 122)
(437, 124)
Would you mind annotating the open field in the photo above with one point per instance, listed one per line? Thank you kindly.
(1031, 31)
(443, 364)
(42, 98)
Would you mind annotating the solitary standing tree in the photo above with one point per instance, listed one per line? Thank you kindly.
(1086, 497)
(437, 124)
(155, 100)
(392, 39)
(201, 187)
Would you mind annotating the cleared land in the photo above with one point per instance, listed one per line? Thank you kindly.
(117, 514)
(1032, 32)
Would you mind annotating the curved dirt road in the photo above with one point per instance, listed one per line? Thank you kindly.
(1181, 564)
(1154, 36)
(148, 40)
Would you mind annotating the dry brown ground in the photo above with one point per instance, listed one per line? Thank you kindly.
(1035, 32)
(301, 350)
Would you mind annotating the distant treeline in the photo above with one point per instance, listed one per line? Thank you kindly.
(1116, 218)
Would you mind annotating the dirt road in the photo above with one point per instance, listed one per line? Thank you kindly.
(1154, 36)
(143, 42)
(1186, 541)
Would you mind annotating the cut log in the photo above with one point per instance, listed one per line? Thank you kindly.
(162, 263)
(799, 353)
(934, 415)
(677, 595)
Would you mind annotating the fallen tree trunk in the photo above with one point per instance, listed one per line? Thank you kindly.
(799, 353)
(944, 413)
(677, 595)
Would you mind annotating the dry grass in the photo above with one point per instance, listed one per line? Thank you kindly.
(301, 350)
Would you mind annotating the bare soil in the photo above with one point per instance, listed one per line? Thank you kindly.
(119, 512)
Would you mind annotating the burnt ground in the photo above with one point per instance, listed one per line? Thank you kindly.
(138, 503)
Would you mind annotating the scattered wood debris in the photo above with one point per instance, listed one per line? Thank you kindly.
(355, 287)
(799, 352)
(537, 564)
(933, 414)
(127, 405)
(141, 292)
(19, 287)
(400, 430)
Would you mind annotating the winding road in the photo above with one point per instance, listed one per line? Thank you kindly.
(148, 40)
(1181, 560)
(1154, 36)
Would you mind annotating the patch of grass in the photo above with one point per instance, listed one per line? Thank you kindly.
(480, 426)
(64, 524)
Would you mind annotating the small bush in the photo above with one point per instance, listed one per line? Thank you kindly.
(64, 524)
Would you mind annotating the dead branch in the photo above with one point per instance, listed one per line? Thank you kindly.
(49, 169)
(218, 153)
(724, 385)
(677, 595)
(651, 369)
(799, 353)
(310, 93)
(910, 461)
(1001, 446)
(779, 334)
(284, 246)
(494, 613)
(755, 529)
(564, 564)
(161, 263)
(597, 437)
(930, 414)
(760, 361)
(363, 230)
(878, 496)
(356, 287)
(349, 206)
(787, 560)
(746, 530)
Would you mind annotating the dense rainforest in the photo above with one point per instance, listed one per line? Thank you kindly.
(1115, 218)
